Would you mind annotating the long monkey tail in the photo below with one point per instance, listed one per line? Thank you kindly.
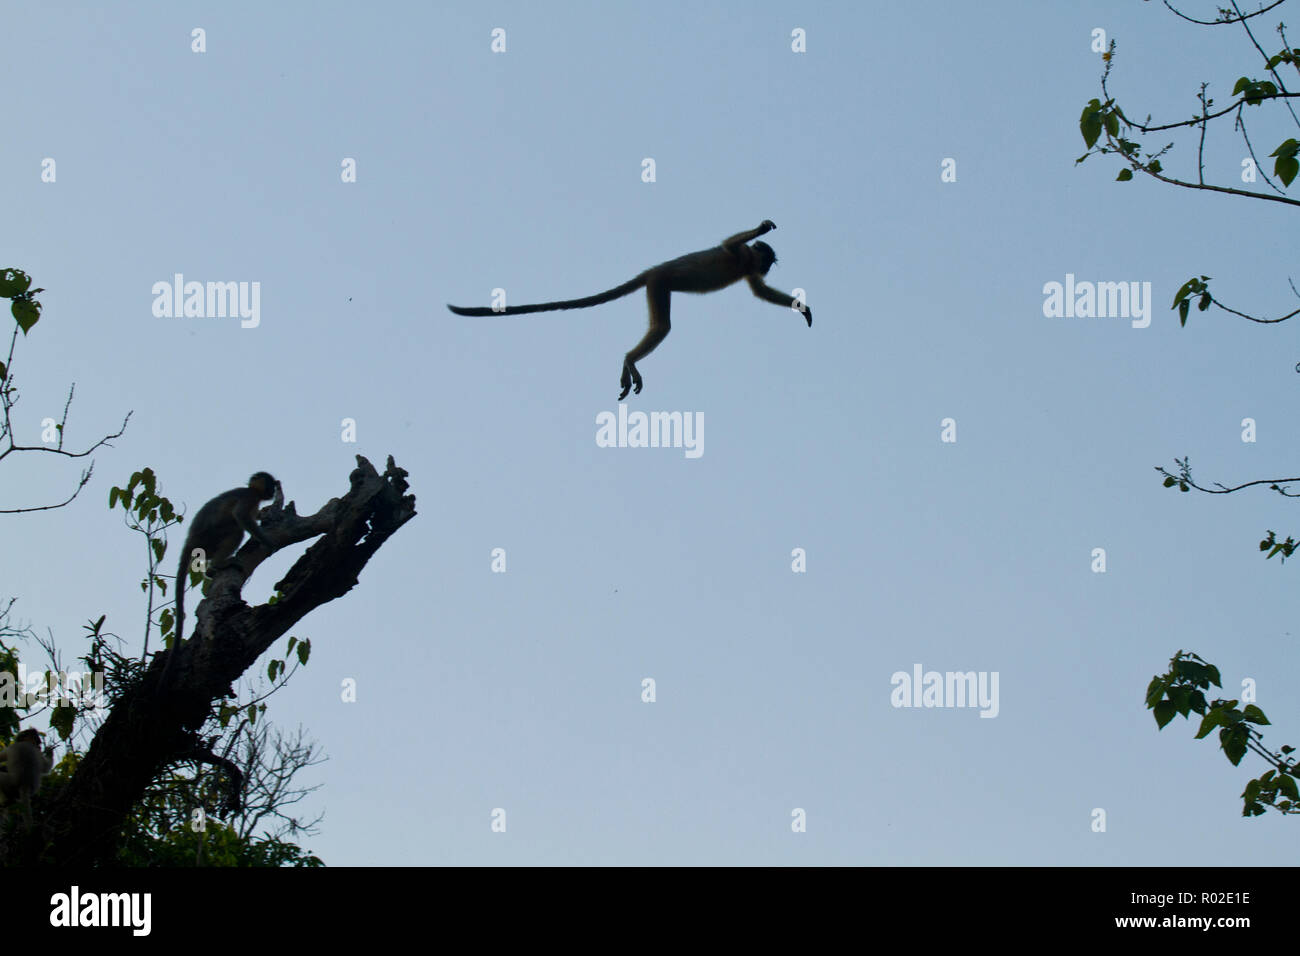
(615, 293)
(182, 574)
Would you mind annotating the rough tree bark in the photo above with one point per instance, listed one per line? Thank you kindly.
(152, 726)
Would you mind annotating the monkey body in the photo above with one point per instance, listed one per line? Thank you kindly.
(216, 531)
(24, 766)
(708, 270)
(705, 271)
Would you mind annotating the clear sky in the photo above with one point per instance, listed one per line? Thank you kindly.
(523, 170)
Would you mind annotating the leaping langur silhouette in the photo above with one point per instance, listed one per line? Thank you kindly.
(704, 271)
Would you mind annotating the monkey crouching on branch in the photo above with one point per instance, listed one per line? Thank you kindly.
(706, 271)
(214, 536)
(22, 767)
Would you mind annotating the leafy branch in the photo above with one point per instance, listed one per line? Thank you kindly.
(1107, 129)
(26, 310)
(1181, 691)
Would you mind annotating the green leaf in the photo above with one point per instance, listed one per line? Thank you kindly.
(1164, 712)
(61, 720)
(1169, 481)
(1253, 714)
(1182, 311)
(1112, 124)
(1286, 165)
(1204, 302)
(1191, 670)
(1286, 784)
(1211, 720)
(1289, 147)
(15, 282)
(1090, 122)
(1285, 169)
(1254, 91)
(1124, 176)
(1233, 741)
(27, 312)
(1155, 691)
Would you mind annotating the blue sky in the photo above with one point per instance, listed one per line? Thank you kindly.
(522, 170)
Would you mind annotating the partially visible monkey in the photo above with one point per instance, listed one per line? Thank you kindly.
(217, 530)
(24, 766)
(704, 271)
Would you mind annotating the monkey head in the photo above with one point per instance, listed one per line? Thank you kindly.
(263, 483)
(766, 257)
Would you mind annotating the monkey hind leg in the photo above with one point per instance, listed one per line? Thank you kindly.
(658, 297)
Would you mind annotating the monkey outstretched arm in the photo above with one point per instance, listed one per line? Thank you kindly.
(749, 235)
(777, 297)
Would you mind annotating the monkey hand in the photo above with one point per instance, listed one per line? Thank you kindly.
(767, 225)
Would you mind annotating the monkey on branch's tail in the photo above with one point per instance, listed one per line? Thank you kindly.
(615, 293)
(182, 576)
